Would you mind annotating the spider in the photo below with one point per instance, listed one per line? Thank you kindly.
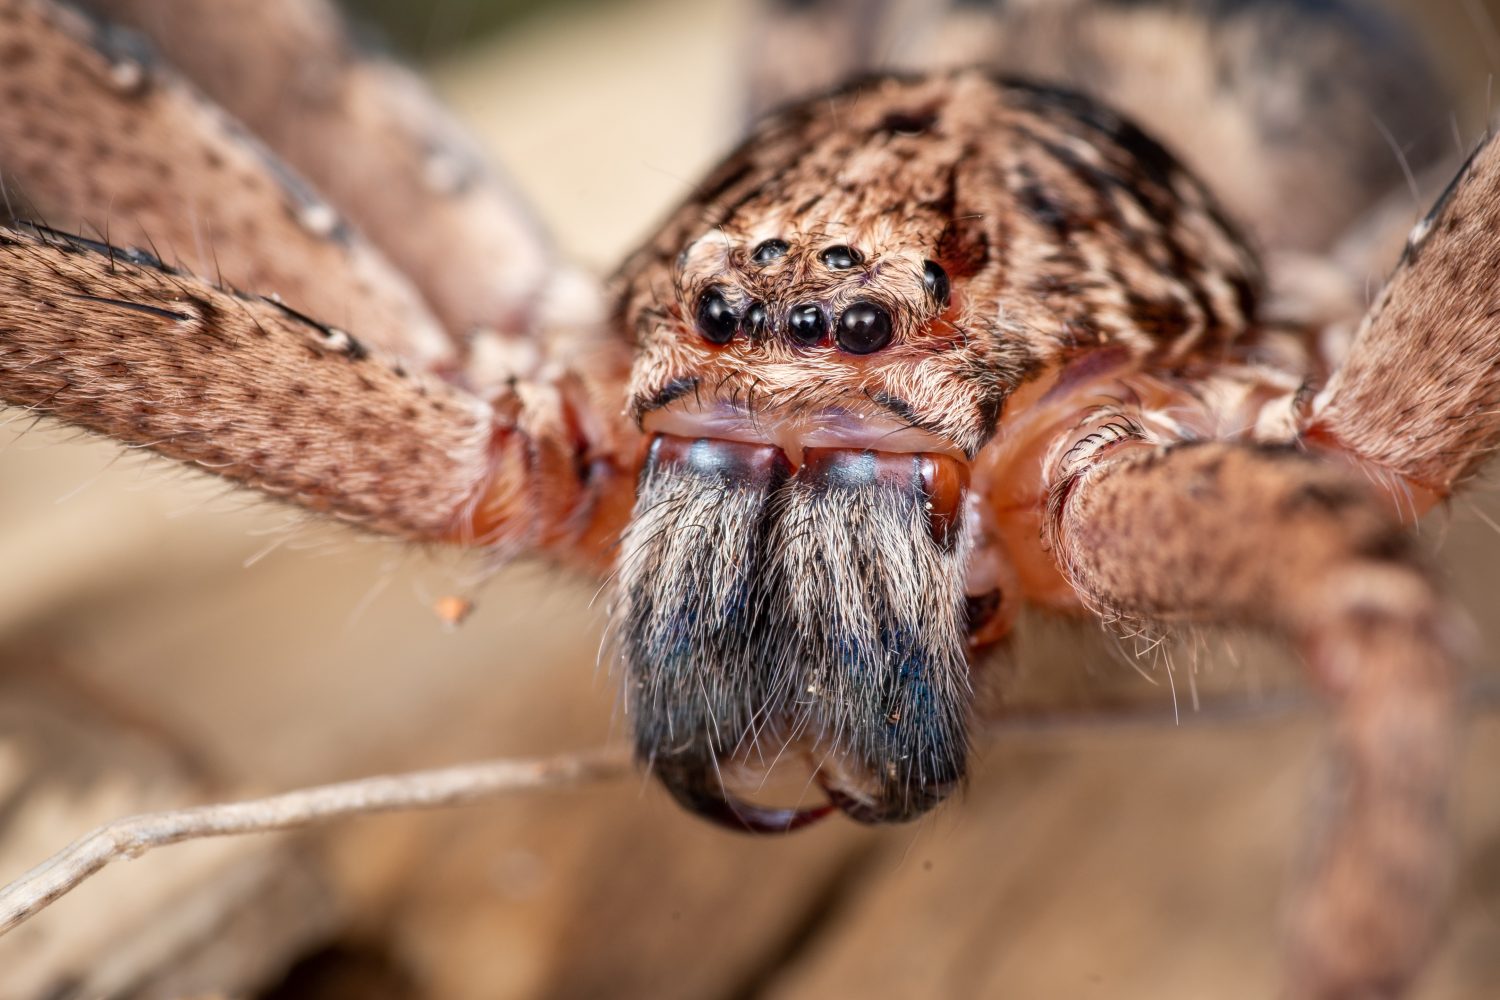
(927, 346)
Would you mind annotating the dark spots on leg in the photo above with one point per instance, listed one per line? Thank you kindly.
(1333, 499)
(1385, 546)
(15, 54)
(137, 307)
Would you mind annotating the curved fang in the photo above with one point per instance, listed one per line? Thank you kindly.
(710, 800)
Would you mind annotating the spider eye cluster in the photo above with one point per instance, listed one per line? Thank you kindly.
(841, 258)
(862, 327)
(770, 250)
(716, 318)
(935, 280)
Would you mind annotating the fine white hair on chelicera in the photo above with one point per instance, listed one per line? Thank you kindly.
(876, 609)
(748, 613)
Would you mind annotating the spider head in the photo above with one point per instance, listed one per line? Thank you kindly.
(792, 580)
(826, 336)
(792, 583)
(818, 363)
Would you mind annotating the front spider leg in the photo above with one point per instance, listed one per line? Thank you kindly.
(1265, 536)
(261, 394)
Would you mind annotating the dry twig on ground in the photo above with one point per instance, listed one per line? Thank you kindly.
(134, 835)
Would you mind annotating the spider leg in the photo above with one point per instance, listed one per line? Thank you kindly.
(96, 136)
(1268, 536)
(371, 137)
(257, 392)
(1419, 394)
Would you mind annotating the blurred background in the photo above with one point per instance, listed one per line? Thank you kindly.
(163, 642)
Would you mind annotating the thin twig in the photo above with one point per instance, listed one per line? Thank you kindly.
(134, 835)
(452, 786)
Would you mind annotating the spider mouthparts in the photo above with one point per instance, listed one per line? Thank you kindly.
(883, 803)
(764, 607)
(941, 480)
(700, 791)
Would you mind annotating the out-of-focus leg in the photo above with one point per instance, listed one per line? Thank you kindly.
(96, 137)
(373, 139)
(1228, 533)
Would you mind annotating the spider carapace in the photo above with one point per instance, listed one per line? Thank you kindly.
(886, 328)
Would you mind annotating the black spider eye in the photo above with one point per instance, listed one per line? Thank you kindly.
(936, 280)
(769, 251)
(756, 323)
(716, 320)
(841, 258)
(864, 328)
(805, 325)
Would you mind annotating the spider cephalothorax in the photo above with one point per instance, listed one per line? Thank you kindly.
(994, 226)
(827, 338)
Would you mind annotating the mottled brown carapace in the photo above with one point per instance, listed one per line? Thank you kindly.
(1057, 228)
(925, 348)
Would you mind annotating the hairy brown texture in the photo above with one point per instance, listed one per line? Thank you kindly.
(372, 138)
(241, 386)
(1434, 322)
(1064, 228)
(251, 390)
(96, 136)
(1225, 533)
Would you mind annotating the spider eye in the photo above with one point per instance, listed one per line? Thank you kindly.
(936, 280)
(769, 251)
(841, 258)
(864, 328)
(756, 323)
(716, 320)
(806, 325)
